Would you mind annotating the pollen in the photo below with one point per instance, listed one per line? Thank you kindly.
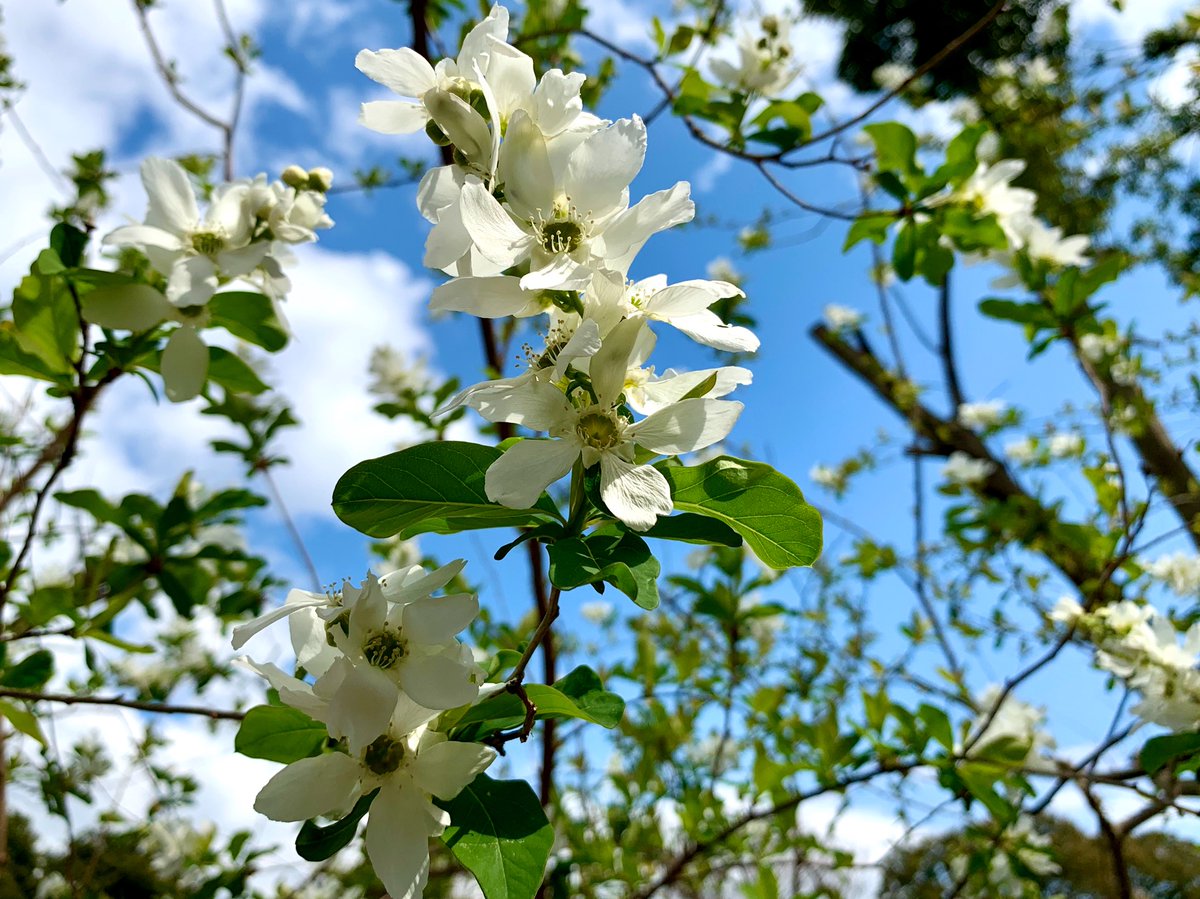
(599, 430)
(383, 649)
(208, 243)
(561, 237)
(384, 755)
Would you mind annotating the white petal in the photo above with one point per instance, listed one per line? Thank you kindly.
(314, 786)
(496, 297)
(559, 273)
(509, 76)
(609, 366)
(478, 41)
(445, 769)
(129, 307)
(310, 642)
(397, 840)
(495, 233)
(533, 404)
(227, 213)
(464, 126)
(449, 240)
(235, 263)
(600, 168)
(673, 387)
(192, 281)
(362, 705)
(184, 365)
(172, 200)
(393, 117)
(404, 71)
(244, 632)
(636, 494)
(527, 468)
(686, 426)
(688, 298)
(557, 100)
(144, 236)
(403, 587)
(292, 691)
(707, 328)
(625, 235)
(438, 620)
(437, 681)
(524, 168)
(584, 343)
(439, 188)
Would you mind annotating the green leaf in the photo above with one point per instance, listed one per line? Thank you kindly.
(578, 695)
(904, 252)
(68, 243)
(1162, 751)
(499, 832)
(23, 720)
(960, 154)
(430, 488)
(1033, 314)
(250, 316)
(232, 372)
(315, 842)
(895, 147)
(753, 499)
(31, 672)
(15, 360)
(47, 324)
(279, 734)
(609, 554)
(691, 528)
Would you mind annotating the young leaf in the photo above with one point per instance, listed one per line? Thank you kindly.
(250, 316)
(499, 832)
(23, 720)
(578, 695)
(31, 672)
(1161, 751)
(608, 554)
(756, 501)
(431, 488)
(279, 734)
(691, 528)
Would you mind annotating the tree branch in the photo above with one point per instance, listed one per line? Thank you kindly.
(162, 708)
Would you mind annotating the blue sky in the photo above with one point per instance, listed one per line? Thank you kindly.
(90, 83)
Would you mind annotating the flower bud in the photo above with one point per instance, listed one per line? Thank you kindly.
(294, 176)
(465, 127)
(320, 179)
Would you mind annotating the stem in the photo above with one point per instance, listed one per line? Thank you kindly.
(158, 707)
(543, 628)
(292, 529)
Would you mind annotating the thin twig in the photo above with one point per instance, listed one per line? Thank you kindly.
(290, 524)
(162, 708)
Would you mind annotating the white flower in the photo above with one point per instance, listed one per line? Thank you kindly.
(982, 415)
(1043, 243)
(1038, 71)
(1023, 451)
(195, 253)
(1180, 571)
(842, 318)
(1095, 347)
(1015, 721)
(966, 470)
(891, 75)
(409, 764)
(825, 476)
(721, 269)
(1065, 446)
(766, 61)
(590, 429)
(569, 224)
(1067, 610)
(683, 306)
(989, 190)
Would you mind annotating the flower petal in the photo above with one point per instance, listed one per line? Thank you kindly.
(292, 691)
(296, 600)
(524, 168)
(404, 71)
(496, 297)
(192, 281)
(405, 586)
(438, 620)
(636, 494)
(673, 387)
(362, 705)
(557, 101)
(310, 787)
(686, 426)
(610, 364)
(491, 228)
(601, 167)
(517, 478)
(144, 236)
(627, 232)
(172, 202)
(707, 328)
(437, 681)
(688, 298)
(397, 839)
(533, 404)
(184, 365)
(445, 769)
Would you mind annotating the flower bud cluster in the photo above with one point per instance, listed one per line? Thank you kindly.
(384, 662)
(532, 220)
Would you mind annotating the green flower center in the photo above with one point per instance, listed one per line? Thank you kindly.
(561, 237)
(207, 243)
(384, 755)
(598, 430)
(383, 649)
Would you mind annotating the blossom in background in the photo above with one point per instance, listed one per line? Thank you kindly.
(842, 318)
(989, 190)
(982, 415)
(965, 470)
(1023, 451)
(891, 75)
(1097, 347)
(766, 62)
(1179, 571)
(1065, 446)
(1067, 610)
(1012, 722)
(826, 476)
(598, 611)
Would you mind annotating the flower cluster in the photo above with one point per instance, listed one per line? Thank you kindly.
(766, 61)
(1142, 647)
(1004, 864)
(532, 219)
(1180, 571)
(244, 234)
(385, 662)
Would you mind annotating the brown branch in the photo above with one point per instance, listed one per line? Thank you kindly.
(158, 707)
(1116, 847)
(946, 348)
